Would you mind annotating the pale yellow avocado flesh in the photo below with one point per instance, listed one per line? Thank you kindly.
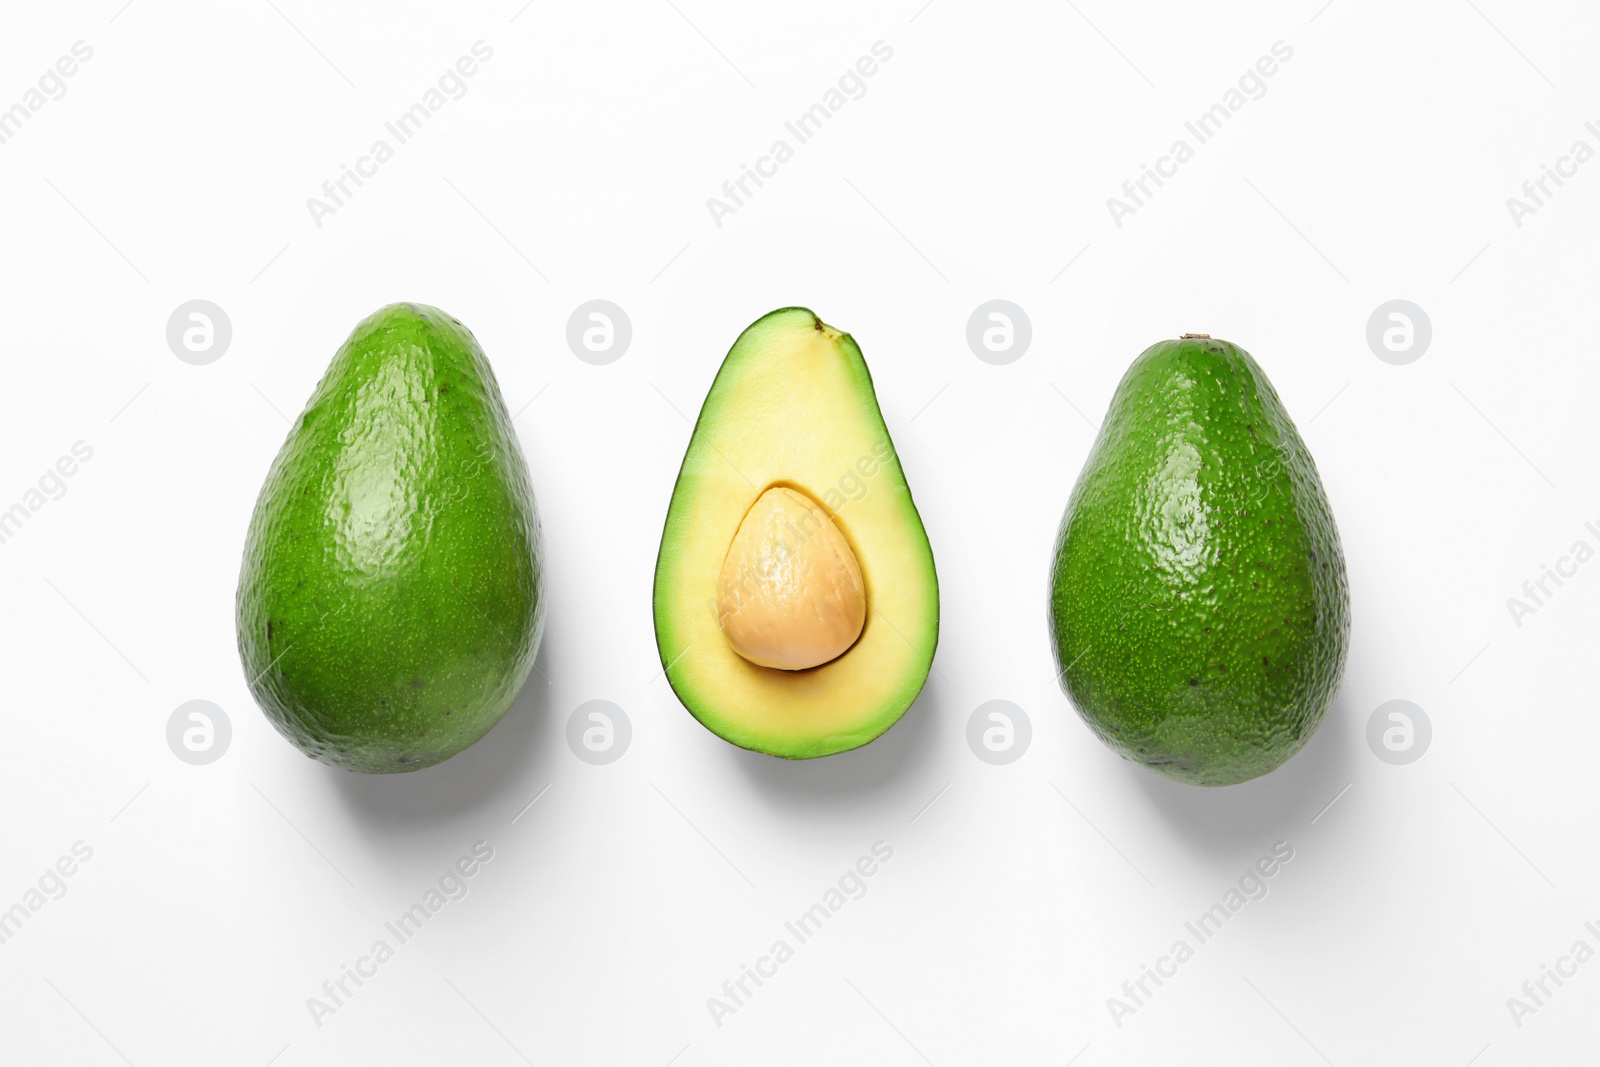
(793, 407)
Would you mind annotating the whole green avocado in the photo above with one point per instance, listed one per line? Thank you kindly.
(391, 599)
(1199, 607)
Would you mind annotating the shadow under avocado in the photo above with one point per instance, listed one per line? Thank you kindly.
(492, 775)
(845, 778)
(1279, 805)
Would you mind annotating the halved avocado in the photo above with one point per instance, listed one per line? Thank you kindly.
(793, 407)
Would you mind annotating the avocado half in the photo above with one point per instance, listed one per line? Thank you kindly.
(793, 406)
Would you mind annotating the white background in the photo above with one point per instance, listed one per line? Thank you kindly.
(977, 166)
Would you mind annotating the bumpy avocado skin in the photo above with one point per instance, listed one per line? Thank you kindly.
(391, 601)
(1199, 607)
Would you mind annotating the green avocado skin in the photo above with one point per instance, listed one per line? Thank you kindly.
(1199, 607)
(391, 599)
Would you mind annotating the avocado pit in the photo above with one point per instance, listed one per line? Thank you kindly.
(790, 595)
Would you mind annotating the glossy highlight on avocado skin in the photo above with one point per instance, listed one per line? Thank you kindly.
(1199, 605)
(391, 599)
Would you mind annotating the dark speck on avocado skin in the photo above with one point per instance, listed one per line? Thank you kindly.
(1198, 533)
(396, 547)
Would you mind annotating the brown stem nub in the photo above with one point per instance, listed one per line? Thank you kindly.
(1196, 336)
